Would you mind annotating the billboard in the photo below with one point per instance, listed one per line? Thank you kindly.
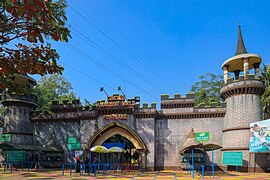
(260, 136)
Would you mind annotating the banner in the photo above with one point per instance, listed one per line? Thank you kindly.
(260, 136)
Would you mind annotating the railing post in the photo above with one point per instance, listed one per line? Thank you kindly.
(63, 169)
(5, 165)
(202, 171)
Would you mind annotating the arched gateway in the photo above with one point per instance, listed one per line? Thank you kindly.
(112, 129)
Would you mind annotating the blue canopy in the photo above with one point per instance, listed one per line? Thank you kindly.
(109, 145)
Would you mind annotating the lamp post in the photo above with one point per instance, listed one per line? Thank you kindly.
(120, 89)
(103, 90)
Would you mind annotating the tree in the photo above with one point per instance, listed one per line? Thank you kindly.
(207, 90)
(52, 88)
(265, 74)
(30, 21)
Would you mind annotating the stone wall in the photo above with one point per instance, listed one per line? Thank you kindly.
(241, 111)
(172, 133)
(146, 130)
(45, 131)
(87, 129)
(162, 132)
(17, 123)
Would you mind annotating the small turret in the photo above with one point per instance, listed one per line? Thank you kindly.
(242, 94)
(18, 107)
(241, 62)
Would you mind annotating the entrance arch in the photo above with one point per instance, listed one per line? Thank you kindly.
(116, 128)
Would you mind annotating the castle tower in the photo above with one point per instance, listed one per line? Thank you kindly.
(17, 111)
(242, 93)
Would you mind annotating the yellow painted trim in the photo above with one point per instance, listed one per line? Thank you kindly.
(236, 63)
(116, 128)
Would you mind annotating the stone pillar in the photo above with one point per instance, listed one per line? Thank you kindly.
(256, 70)
(246, 66)
(236, 74)
(225, 69)
(143, 160)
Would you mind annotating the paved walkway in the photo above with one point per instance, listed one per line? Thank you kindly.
(164, 175)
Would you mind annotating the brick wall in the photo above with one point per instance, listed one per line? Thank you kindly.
(172, 133)
(241, 111)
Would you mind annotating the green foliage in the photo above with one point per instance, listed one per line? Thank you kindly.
(265, 74)
(32, 22)
(207, 90)
(52, 88)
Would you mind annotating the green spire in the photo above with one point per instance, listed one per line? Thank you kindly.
(240, 44)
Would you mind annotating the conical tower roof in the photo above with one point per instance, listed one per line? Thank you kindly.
(190, 142)
(235, 63)
(241, 49)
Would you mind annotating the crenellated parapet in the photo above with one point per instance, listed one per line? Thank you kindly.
(177, 101)
(146, 111)
(178, 96)
(212, 105)
(241, 78)
(66, 106)
(147, 106)
(55, 117)
(201, 111)
(249, 85)
(19, 100)
(66, 111)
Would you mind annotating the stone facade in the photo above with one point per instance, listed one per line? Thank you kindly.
(162, 133)
(157, 135)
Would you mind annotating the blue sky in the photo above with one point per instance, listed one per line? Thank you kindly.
(177, 40)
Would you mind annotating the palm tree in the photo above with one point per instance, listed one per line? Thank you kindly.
(265, 73)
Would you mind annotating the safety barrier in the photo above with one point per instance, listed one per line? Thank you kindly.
(23, 165)
(201, 171)
(97, 168)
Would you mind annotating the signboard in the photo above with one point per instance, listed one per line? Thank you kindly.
(113, 104)
(79, 155)
(202, 136)
(232, 158)
(117, 100)
(260, 136)
(72, 140)
(76, 146)
(5, 138)
(17, 156)
(115, 117)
